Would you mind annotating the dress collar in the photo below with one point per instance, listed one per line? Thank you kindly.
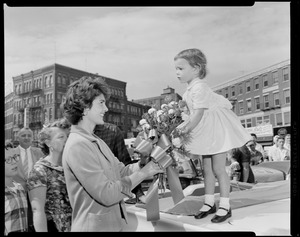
(196, 81)
(49, 164)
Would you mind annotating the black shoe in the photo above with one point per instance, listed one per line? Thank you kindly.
(202, 214)
(218, 219)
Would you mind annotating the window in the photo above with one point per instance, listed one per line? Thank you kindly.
(267, 119)
(233, 91)
(249, 105)
(226, 92)
(248, 87)
(266, 101)
(275, 77)
(285, 74)
(249, 123)
(256, 84)
(50, 81)
(265, 80)
(276, 99)
(240, 89)
(279, 119)
(46, 82)
(50, 114)
(64, 80)
(58, 79)
(258, 120)
(286, 95)
(243, 123)
(241, 107)
(257, 103)
(287, 118)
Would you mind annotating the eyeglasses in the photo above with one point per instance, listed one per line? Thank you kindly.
(15, 157)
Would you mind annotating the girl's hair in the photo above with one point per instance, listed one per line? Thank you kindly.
(195, 57)
(45, 133)
(81, 94)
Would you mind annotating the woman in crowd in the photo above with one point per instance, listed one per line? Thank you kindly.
(46, 184)
(16, 208)
(96, 180)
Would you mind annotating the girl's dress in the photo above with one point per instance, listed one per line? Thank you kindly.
(220, 129)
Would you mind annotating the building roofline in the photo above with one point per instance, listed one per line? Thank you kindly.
(60, 65)
(252, 74)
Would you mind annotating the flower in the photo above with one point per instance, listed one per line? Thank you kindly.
(151, 111)
(142, 122)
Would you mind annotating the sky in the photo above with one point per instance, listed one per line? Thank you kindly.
(138, 44)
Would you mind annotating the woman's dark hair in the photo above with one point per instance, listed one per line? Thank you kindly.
(45, 134)
(81, 94)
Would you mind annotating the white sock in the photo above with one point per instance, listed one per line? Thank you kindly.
(224, 202)
(208, 199)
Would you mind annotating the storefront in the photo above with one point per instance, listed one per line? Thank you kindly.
(264, 134)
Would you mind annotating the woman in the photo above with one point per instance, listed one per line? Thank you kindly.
(96, 180)
(16, 208)
(46, 184)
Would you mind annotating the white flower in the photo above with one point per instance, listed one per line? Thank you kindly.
(171, 111)
(142, 122)
(164, 106)
(151, 111)
(146, 126)
(171, 104)
(159, 112)
(176, 142)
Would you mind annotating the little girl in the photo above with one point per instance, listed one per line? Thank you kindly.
(214, 129)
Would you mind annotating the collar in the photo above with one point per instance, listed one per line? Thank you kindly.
(195, 81)
(22, 149)
(84, 133)
(48, 164)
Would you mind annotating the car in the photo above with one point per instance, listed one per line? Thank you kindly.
(262, 207)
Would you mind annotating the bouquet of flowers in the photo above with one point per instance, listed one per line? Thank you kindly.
(165, 122)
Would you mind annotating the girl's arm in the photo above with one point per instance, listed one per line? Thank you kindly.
(195, 118)
(37, 199)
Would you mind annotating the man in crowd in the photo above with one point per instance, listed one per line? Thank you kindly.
(256, 156)
(258, 146)
(29, 155)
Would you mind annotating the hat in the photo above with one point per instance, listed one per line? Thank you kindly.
(251, 142)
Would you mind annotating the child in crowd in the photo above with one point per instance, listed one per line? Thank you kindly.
(214, 129)
(16, 207)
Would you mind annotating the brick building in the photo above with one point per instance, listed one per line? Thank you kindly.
(262, 97)
(37, 96)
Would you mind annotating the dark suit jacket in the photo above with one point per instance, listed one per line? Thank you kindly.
(36, 154)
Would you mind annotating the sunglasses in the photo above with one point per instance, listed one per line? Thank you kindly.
(15, 157)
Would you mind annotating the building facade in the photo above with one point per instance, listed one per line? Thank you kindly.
(8, 115)
(156, 102)
(262, 97)
(38, 95)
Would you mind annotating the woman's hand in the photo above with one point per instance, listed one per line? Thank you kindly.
(151, 169)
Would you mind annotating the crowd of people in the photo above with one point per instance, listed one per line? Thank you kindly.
(252, 153)
(79, 176)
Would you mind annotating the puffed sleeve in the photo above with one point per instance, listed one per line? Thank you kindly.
(37, 178)
(200, 96)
